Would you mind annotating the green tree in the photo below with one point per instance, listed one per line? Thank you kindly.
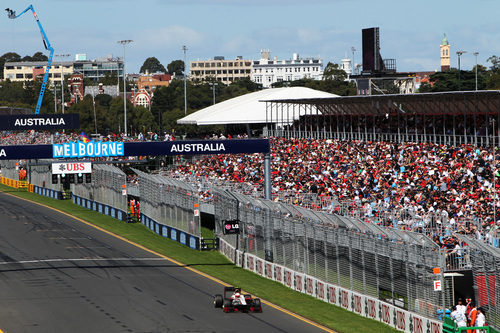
(8, 57)
(39, 56)
(176, 67)
(495, 63)
(152, 65)
(333, 72)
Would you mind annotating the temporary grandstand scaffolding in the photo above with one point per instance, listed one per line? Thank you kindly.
(470, 117)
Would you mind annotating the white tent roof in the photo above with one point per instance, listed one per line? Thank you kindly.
(250, 108)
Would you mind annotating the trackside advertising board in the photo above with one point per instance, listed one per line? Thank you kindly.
(349, 300)
(92, 149)
(39, 122)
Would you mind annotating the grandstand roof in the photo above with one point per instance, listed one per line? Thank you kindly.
(249, 108)
(457, 102)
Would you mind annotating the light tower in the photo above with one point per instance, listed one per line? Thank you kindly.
(124, 42)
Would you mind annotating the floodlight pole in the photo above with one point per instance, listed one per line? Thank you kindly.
(459, 53)
(476, 54)
(353, 49)
(124, 42)
(62, 79)
(184, 48)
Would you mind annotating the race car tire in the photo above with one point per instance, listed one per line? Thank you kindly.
(228, 307)
(218, 301)
(257, 305)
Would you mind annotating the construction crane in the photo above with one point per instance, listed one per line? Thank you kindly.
(12, 15)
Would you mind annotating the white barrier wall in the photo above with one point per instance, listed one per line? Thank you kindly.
(352, 301)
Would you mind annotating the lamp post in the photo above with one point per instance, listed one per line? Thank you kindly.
(124, 42)
(476, 54)
(95, 118)
(184, 48)
(353, 49)
(212, 86)
(459, 53)
(62, 79)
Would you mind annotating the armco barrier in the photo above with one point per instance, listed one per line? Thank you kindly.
(100, 208)
(352, 301)
(171, 233)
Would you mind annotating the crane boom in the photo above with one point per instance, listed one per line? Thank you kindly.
(12, 15)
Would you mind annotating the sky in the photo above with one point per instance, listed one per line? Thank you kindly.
(410, 31)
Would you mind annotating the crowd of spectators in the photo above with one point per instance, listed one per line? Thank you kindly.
(414, 185)
(428, 187)
(44, 137)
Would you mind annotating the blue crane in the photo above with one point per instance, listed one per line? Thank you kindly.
(46, 43)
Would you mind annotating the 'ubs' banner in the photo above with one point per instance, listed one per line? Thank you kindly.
(39, 122)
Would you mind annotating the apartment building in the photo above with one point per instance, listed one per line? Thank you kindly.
(267, 71)
(29, 70)
(220, 69)
(91, 69)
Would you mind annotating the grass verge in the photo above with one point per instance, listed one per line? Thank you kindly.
(215, 264)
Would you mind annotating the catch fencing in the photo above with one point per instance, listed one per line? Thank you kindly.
(389, 265)
(170, 202)
(9, 169)
(486, 262)
(108, 183)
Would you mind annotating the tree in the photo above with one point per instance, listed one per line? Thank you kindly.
(8, 57)
(176, 67)
(152, 65)
(333, 72)
(39, 56)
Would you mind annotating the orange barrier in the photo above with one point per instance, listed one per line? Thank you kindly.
(16, 183)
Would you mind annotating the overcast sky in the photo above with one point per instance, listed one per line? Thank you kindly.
(410, 31)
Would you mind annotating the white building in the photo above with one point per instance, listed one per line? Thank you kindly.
(266, 71)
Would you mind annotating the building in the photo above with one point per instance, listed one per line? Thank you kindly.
(142, 97)
(76, 88)
(445, 54)
(98, 68)
(150, 82)
(225, 71)
(90, 69)
(30, 70)
(266, 71)
(345, 65)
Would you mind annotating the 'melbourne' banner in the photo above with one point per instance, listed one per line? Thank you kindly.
(116, 149)
(39, 122)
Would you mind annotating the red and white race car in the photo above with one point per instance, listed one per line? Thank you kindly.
(233, 300)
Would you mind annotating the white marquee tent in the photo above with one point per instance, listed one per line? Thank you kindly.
(250, 108)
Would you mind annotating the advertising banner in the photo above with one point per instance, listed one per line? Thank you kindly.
(92, 149)
(39, 122)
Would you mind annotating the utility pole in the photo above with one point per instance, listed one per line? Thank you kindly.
(184, 48)
(124, 42)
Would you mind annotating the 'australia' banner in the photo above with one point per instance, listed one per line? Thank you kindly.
(39, 122)
(94, 149)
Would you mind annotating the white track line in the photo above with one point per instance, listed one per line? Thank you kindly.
(77, 259)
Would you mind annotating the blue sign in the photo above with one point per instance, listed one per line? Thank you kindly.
(98, 149)
(90, 149)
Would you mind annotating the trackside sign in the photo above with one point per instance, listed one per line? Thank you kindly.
(89, 149)
(39, 122)
(67, 168)
(113, 149)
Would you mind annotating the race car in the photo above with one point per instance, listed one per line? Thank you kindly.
(234, 301)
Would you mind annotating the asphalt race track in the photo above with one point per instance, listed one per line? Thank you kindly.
(58, 274)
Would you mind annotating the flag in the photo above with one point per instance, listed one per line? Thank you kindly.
(85, 137)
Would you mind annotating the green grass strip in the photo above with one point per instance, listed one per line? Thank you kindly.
(215, 264)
